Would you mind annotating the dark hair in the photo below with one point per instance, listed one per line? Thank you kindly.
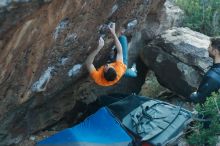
(215, 42)
(110, 74)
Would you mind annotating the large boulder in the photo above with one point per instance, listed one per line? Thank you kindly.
(179, 58)
(158, 20)
(13, 12)
(43, 47)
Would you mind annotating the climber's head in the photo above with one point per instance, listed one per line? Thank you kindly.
(109, 73)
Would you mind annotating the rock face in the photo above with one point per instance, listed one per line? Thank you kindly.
(156, 22)
(43, 46)
(13, 13)
(179, 58)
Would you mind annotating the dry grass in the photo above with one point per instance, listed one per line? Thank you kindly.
(151, 87)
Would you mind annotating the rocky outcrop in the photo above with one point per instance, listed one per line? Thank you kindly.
(42, 75)
(14, 12)
(156, 22)
(179, 58)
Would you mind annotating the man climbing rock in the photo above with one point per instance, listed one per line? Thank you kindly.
(211, 80)
(110, 73)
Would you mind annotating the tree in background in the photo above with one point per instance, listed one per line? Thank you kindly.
(201, 15)
(206, 130)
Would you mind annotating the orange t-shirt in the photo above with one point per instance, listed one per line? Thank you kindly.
(98, 75)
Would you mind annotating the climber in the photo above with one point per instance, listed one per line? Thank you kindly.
(211, 80)
(110, 73)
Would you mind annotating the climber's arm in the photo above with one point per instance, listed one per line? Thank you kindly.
(119, 56)
(90, 59)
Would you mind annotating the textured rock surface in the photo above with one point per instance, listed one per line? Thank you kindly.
(158, 20)
(43, 47)
(14, 12)
(179, 58)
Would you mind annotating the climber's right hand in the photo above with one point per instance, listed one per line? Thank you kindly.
(112, 27)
